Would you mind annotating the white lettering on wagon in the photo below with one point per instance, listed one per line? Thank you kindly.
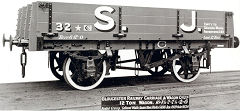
(87, 28)
(193, 26)
(100, 16)
(71, 37)
(78, 28)
(213, 37)
(213, 28)
(60, 27)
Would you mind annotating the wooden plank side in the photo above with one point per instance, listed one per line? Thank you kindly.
(211, 23)
(81, 15)
(75, 14)
(22, 22)
(76, 8)
(142, 22)
(18, 23)
(151, 29)
(73, 19)
(148, 20)
(147, 11)
(27, 21)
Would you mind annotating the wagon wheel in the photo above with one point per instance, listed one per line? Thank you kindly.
(79, 75)
(185, 70)
(157, 72)
(56, 65)
(161, 70)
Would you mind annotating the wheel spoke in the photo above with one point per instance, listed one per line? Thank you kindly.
(57, 67)
(57, 60)
(99, 65)
(178, 62)
(74, 74)
(180, 70)
(151, 71)
(74, 64)
(164, 70)
(186, 76)
(156, 69)
(93, 80)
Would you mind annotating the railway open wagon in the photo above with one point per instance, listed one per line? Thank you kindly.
(83, 40)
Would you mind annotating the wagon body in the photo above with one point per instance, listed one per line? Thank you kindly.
(143, 25)
(174, 40)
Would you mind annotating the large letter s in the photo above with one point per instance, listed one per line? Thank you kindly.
(100, 16)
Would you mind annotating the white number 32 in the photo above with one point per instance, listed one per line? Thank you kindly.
(66, 27)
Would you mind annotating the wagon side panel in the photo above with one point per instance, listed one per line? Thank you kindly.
(149, 23)
(76, 22)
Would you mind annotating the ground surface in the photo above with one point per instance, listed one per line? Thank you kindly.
(209, 91)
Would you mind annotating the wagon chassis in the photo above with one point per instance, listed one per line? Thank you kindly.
(144, 59)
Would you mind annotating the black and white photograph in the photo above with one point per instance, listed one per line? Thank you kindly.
(120, 55)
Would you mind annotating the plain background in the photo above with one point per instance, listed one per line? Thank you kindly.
(37, 70)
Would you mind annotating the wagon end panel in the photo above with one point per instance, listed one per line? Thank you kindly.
(27, 22)
(22, 23)
(33, 33)
(18, 23)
